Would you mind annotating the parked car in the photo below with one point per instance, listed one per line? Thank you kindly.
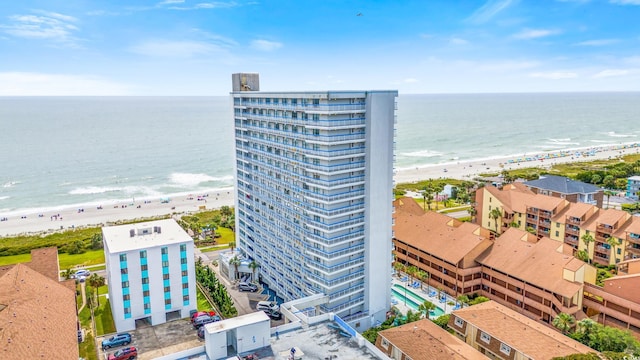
(200, 313)
(201, 320)
(244, 286)
(267, 306)
(116, 340)
(274, 315)
(127, 353)
(82, 273)
(201, 332)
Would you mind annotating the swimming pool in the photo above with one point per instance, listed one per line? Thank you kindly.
(413, 300)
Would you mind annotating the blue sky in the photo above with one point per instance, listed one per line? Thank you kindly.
(187, 47)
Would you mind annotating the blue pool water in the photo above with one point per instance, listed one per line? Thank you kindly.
(413, 300)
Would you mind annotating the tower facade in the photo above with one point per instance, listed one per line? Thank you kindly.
(314, 182)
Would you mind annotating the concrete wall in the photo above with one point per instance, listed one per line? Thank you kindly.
(378, 203)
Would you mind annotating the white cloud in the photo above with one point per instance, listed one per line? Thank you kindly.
(598, 42)
(201, 5)
(174, 49)
(458, 41)
(535, 33)
(39, 84)
(49, 26)
(625, 2)
(265, 45)
(610, 73)
(554, 75)
(490, 9)
(508, 65)
(410, 81)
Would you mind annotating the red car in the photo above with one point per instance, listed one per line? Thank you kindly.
(200, 313)
(127, 353)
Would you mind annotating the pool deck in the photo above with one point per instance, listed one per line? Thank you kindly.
(423, 294)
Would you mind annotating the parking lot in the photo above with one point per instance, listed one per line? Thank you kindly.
(159, 340)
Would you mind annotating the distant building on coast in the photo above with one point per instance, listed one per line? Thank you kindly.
(150, 272)
(314, 192)
(633, 187)
(565, 188)
(38, 315)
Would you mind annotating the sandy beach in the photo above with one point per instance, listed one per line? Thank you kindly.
(102, 214)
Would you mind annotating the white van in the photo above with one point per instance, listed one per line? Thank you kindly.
(268, 306)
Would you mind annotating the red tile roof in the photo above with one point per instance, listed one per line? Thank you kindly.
(39, 319)
(425, 340)
(525, 335)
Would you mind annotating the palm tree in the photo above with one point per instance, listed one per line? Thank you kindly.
(587, 239)
(582, 255)
(253, 265)
(422, 275)
(67, 274)
(563, 322)
(425, 307)
(235, 261)
(437, 189)
(463, 299)
(400, 267)
(608, 194)
(96, 281)
(586, 327)
(495, 214)
(613, 242)
(472, 212)
(412, 271)
(427, 195)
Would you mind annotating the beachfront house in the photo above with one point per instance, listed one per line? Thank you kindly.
(565, 188)
(314, 180)
(150, 273)
(633, 187)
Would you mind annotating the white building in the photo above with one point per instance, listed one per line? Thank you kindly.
(314, 193)
(150, 272)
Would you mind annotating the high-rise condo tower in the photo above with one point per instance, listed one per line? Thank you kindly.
(314, 182)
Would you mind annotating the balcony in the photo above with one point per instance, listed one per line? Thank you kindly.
(633, 249)
(571, 241)
(573, 221)
(606, 229)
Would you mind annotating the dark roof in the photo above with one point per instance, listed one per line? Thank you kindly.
(563, 185)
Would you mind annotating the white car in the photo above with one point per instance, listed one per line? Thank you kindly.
(82, 274)
(268, 306)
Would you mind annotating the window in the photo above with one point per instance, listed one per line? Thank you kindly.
(123, 257)
(143, 254)
(165, 264)
(384, 343)
(167, 301)
(183, 247)
(183, 260)
(185, 298)
(147, 306)
(185, 273)
(145, 293)
(165, 277)
(126, 297)
(505, 349)
(459, 322)
(125, 284)
(164, 250)
(485, 337)
(124, 271)
(127, 310)
(557, 233)
(144, 267)
(185, 285)
(145, 280)
(167, 289)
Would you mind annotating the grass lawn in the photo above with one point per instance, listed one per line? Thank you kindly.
(103, 290)
(203, 303)
(14, 259)
(104, 320)
(88, 348)
(226, 235)
(97, 268)
(91, 257)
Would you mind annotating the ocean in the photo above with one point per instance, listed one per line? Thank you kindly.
(76, 151)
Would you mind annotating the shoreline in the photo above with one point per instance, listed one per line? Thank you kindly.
(39, 220)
